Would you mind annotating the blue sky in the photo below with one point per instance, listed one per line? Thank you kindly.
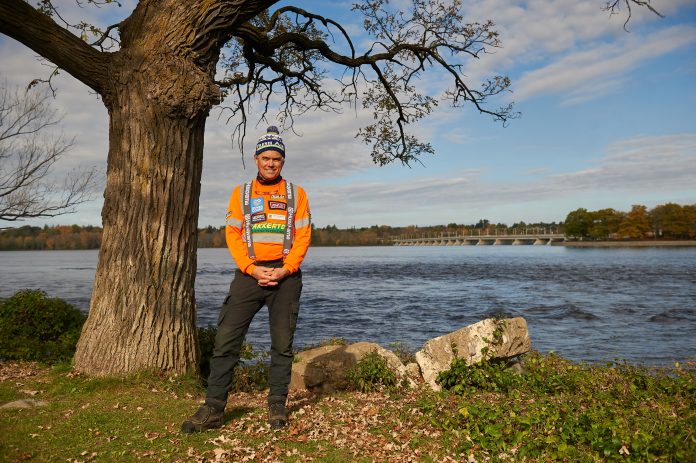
(607, 121)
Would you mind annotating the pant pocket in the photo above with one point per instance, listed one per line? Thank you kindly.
(294, 314)
(223, 310)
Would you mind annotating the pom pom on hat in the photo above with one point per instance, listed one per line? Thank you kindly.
(271, 141)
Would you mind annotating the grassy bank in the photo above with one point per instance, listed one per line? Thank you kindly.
(555, 411)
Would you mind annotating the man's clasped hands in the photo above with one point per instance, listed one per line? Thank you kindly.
(267, 276)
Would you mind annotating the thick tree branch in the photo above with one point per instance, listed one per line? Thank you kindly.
(266, 45)
(40, 33)
(311, 16)
(217, 25)
(196, 28)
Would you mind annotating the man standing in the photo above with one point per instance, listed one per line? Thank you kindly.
(268, 232)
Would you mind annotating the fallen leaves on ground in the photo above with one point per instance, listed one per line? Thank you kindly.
(17, 370)
(152, 435)
(369, 426)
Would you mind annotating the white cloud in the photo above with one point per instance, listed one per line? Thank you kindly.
(643, 166)
(582, 73)
(562, 42)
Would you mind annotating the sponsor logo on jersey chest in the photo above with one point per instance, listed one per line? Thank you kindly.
(256, 205)
(256, 218)
(267, 227)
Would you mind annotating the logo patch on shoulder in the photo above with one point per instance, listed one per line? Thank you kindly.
(276, 205)
(256, 205)
(256, 218)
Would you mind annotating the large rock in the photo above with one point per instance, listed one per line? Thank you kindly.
(437, 354)
(323, 369)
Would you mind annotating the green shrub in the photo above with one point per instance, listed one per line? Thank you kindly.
(371, 373)
(251, 376)
(487, 375)
(36, 327)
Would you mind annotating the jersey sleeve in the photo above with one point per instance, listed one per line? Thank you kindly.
(234, 221)
(302, 233)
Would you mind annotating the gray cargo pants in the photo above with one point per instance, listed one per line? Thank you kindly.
(244, 300)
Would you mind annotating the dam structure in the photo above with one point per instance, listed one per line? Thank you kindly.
(473, 239)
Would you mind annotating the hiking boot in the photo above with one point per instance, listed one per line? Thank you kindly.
(277, 417)
(207, 417)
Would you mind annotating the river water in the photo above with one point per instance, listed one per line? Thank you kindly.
(586, 304)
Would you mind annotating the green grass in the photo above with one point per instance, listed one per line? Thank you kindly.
(118, 419)
(555, 411)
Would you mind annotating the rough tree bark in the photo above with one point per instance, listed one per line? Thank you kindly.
(158, 90)
(142, 313)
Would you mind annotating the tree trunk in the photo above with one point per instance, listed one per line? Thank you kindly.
(142, 313)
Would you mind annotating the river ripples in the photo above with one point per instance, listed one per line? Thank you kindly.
(585, 304)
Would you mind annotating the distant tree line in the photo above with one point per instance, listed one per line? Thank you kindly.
(668, 221)
(77, 237)
(50, 238)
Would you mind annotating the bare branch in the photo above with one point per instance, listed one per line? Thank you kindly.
(614, 7)
(27, 155)
(289, 48)
(106, 35)
(83, 29)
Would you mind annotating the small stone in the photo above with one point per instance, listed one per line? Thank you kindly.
(24, 403)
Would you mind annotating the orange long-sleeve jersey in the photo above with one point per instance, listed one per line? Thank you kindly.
(268, 226)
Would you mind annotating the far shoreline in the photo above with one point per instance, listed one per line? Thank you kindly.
(625, 244)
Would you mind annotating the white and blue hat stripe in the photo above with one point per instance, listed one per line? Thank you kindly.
(271, 141)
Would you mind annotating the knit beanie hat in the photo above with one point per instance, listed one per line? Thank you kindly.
(271, 141)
